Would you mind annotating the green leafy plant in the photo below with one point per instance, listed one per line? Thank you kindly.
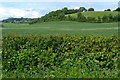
(70, 56)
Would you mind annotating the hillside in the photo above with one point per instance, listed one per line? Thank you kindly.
(95, 14)
(80, 15)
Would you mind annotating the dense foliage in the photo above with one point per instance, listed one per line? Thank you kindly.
(60, 56)
(57, 15)
(118, 9)
(108, 10)
(91, 9)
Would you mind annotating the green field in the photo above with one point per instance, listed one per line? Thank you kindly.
(95, 14)
(61, 27)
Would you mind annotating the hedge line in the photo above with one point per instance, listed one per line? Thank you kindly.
(37, 54)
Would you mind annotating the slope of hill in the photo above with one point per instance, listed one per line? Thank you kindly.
(95, 14)
(89, 16)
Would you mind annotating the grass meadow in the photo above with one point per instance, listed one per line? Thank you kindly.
(62, 27)
(95, 14)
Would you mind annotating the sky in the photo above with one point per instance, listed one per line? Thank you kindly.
(59, 0)
(38, 8)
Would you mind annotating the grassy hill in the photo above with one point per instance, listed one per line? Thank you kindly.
(95, 14)
(91, 16)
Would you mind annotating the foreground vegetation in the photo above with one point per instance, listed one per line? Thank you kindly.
(60, 56)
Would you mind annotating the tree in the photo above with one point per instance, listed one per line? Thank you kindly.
(82, 9)
(69, 18)
(70, 11)
(85, 10)
(80, 17)
(91, 9)
(98, 19)
(91, 19)
(65, 9)
(116, 18)
(110, 16)
(108, 10)
(61, 16)
(105, 18)
(118, 9)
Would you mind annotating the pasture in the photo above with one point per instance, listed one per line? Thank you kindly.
(95, 14)
(62, 27)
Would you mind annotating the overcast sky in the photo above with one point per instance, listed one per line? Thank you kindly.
(38, 8)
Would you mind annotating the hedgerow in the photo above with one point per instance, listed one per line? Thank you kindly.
(61, 56)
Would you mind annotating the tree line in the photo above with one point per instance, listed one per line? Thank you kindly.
(59, 15)
(18, 20)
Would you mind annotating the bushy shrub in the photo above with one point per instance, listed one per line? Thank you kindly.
(40, 53)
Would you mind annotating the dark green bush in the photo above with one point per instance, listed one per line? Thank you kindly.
(35, 53)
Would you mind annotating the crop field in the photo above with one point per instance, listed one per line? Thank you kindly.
(62, 27)
(95, 14)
